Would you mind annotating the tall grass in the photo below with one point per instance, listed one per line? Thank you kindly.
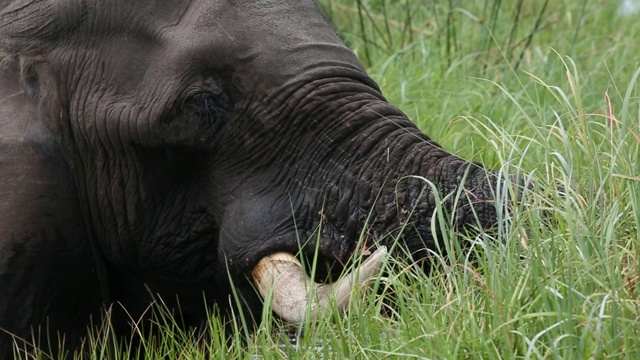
(544, 90)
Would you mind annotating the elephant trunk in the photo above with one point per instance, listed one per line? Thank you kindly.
(352, 162)
(390, 177)
(430, 187)
(397, 190)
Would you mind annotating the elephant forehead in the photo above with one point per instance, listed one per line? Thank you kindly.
(260, 43)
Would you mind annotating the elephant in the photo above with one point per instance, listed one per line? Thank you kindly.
(176, 149)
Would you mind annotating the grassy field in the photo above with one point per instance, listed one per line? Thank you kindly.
(547, 88)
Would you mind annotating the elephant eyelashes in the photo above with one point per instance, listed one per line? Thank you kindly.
(30, 79)
(208, 105)
(194, 122)
(207, 109)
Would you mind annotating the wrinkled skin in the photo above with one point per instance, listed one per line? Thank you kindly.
(163, 147)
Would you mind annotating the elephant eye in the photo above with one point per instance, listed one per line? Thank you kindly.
(194, 122)
(208, 105)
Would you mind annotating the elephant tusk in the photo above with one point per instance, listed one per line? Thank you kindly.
(282, 276)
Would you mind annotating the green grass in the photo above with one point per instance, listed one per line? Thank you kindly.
(530, 87)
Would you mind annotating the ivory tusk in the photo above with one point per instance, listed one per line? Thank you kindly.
(282, 276)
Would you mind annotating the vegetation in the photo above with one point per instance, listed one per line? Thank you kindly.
(544, 90)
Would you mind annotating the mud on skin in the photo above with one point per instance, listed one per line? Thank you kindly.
(164, 147)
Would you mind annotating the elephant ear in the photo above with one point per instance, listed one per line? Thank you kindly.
(31, 27)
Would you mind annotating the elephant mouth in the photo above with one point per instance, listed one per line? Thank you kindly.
(281, 278)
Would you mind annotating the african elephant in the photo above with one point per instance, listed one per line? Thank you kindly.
(165, 147)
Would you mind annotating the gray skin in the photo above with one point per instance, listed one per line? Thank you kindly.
(164, 147)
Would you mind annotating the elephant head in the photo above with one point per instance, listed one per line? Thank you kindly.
(193, 139)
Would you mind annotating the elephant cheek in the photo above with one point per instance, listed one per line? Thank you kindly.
(251, 227)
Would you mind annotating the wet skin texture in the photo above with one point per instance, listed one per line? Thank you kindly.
(163, 147)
